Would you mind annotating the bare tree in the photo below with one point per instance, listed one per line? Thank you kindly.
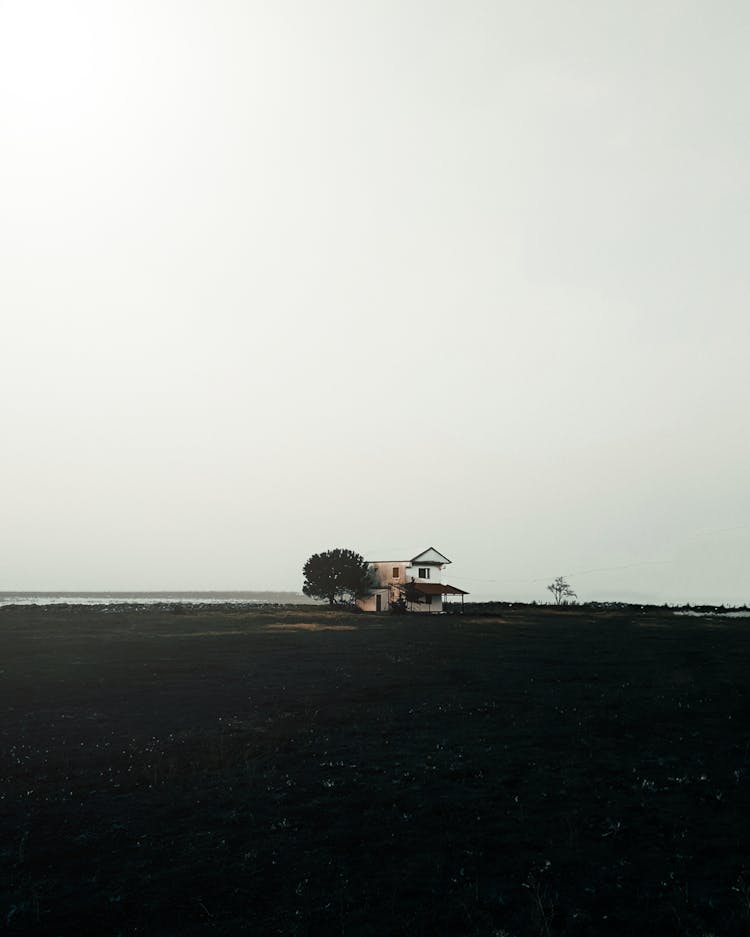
(562, 591)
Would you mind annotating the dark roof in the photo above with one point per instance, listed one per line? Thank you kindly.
(436, 588)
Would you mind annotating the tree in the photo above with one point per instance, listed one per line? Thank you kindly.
(399, 606)
(562, 591)
(336, 574)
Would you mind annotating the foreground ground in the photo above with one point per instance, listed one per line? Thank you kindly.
(303, 772)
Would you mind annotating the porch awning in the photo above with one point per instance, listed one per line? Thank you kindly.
(436, 588)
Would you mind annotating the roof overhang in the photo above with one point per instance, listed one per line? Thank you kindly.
(436, 588)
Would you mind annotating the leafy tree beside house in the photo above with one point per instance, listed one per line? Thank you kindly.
(336, 575)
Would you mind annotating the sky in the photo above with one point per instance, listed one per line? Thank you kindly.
(277, 277)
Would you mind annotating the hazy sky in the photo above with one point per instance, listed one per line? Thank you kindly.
(384, 274)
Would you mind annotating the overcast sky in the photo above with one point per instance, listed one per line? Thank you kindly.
(381, 274)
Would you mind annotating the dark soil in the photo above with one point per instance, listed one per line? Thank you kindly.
(306, 772)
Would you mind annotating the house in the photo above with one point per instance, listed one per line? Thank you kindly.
(419, 581)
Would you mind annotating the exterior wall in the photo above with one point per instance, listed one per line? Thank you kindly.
(383, 570)
(436, 573)
(435, 606)
(370, 604)
(406, 572)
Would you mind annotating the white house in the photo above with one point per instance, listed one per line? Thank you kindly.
(419, 581)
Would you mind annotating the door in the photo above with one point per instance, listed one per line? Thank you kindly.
(378, 602)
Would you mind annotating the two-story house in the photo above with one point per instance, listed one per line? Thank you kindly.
(419, 581)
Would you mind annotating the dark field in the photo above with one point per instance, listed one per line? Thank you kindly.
(301, 772)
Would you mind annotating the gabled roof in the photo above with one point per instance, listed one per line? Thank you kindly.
(430, 555)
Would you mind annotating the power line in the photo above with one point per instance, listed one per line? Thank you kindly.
(581, 572)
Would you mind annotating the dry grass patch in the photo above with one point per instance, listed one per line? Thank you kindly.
(307, 626)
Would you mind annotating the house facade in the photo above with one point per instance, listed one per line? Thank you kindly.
(418, 581)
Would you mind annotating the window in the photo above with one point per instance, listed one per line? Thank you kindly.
(395, 572)
(424, 572)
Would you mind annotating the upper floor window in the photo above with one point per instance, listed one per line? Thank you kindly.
(395, 572)
(424, 572)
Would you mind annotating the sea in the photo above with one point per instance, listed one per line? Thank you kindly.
(153, 598)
